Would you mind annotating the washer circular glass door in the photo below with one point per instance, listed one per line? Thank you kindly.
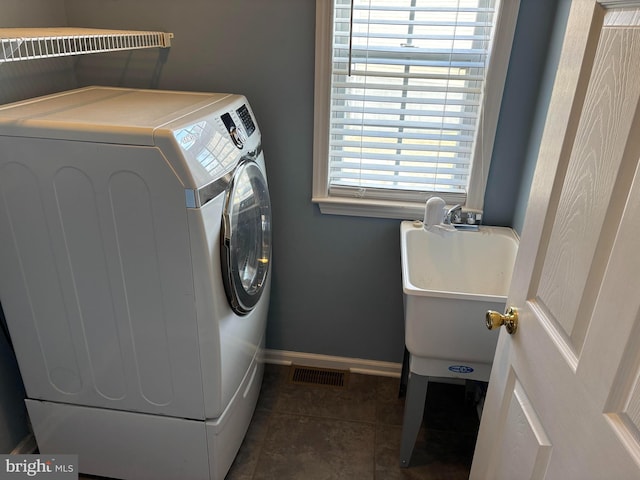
(246, 237)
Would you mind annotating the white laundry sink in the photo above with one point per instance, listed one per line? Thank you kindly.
(450, 279)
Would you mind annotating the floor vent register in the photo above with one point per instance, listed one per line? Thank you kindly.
(326, 377)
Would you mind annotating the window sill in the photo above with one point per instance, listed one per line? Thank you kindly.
(370, 208)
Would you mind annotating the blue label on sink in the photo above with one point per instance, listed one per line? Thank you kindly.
(460, 369)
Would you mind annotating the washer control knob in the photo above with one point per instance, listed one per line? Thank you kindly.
(237, 137)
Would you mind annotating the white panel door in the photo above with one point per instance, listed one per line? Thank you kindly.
(564, 394)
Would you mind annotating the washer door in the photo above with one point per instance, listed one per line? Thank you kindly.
(246, 237)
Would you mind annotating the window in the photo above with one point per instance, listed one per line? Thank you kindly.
(406, 106)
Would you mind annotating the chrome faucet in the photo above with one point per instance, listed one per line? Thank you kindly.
(453, 215)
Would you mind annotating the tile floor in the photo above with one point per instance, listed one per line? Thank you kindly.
(315, 432)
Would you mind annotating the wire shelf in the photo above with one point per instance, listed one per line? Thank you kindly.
(18, 44)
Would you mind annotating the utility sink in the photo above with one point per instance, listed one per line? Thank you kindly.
(450, 279)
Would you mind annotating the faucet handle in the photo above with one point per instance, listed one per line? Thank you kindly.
(453, 214)
(457, 206)
(461, 217)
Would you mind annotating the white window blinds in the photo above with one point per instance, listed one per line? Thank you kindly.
(406, 93)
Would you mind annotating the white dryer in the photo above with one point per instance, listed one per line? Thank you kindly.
(134, 274)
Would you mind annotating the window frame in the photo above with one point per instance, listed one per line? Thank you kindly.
(507, 15)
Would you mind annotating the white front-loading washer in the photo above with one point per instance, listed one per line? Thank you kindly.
(135, 275)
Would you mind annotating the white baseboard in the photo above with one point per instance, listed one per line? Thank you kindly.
(355, 365)
(26, 446)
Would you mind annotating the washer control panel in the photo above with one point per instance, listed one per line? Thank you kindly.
(214, 144)
(235, 133)
(245, 117)
(239, 135)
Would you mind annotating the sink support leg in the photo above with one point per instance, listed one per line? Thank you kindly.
(413, 412)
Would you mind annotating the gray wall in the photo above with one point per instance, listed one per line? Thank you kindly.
(518, 110)
(21, 80)
(544, 95)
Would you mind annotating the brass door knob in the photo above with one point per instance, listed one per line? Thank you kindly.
(508, 319)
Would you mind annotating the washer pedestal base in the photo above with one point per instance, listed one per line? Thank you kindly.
(131, 445)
